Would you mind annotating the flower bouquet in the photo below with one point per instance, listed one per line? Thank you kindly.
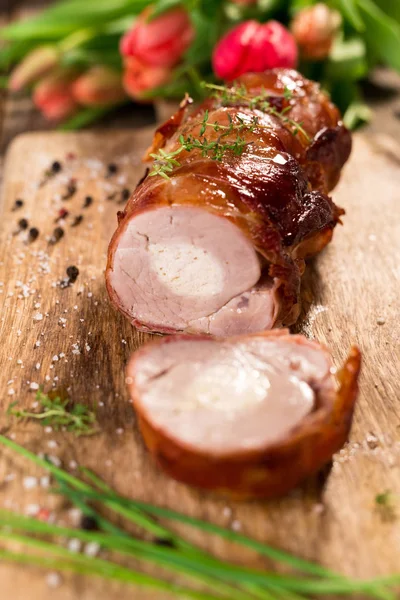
(81, 59)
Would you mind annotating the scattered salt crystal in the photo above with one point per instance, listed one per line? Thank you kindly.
(227, 512)
(36, 305)
(89, 294)
(52, 444)
(74, 545)
(55, 358)
(29, 482)
(380, 321)
(11, 392)
(128, 380)
(47, 378)
(19, 362)
(120, 431)
(19, 332)
(37, 366)
(236, 525)
(87, 347)
(45, 481)
(35, 404)
(72, 464)
(9, 477)
(61, 355)
(37, 344)
(38, 317)
(34, 385)
(123, 341)
(55, 460)
(53, 580)
(92, 549)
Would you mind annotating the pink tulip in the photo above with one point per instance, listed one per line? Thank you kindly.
(314, 29)
(160, 42)
(53, 95)
(99, 86)
(36, 64)
(254, 47)
(140, 77)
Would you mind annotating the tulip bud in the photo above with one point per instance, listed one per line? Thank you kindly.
(140, 77)
(36, 64)
(254, 47)
(160, 42)
(53, 95)
(314, 29)
(99, 86)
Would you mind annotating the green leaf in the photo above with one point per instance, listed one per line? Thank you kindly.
(382, 33)
(347, 96)
(351, 13)
(347, 60)
(68, 16)
(390, 7)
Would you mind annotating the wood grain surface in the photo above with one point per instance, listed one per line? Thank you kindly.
(351, 296)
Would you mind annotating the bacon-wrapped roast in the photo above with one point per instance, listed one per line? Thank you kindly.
(250, 416)
(218, 246)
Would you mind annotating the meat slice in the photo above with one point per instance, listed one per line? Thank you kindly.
(176, 264)
(250, 416)
(193, 250)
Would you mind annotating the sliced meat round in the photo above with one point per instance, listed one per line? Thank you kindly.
(176, 264)
(250, 416)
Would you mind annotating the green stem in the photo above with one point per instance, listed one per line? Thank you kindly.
(77, 38)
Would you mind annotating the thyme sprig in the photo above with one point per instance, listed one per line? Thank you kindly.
(165, 162)
(220, 580)
(239, 94)
(59, 414)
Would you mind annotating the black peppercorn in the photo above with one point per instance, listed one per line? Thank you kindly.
(18, 204)
(112, 168)
(23, 224)
(72, 273)
(88, 523)
(88, 201)
(57, 235)
(77, 221)
(125, 194)
(71, 189)
(33, 234)
(56, 166)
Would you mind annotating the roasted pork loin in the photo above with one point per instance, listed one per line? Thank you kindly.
(249, 416)
(218, 246)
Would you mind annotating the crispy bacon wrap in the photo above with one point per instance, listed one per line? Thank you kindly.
(218, 246)
(248, 417)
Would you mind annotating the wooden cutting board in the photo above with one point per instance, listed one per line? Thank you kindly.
(351, 297)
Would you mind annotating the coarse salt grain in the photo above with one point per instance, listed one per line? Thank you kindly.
(11, 392)
(34, 385)
(72, 464)
(45, 481)
(53, 580)
(74, 545)
(32, 509)
(236, 525)
(55, 460)
(37, 366)
(92, 549)
(29, 482)
(52, 444)
(38, 317)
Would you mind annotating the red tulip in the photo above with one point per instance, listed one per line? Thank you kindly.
(139, 77)
(244, 2)
(36, 64)
(314, 29)
(53, 95)
(99, 86)
(160, 42)
(252, 46)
